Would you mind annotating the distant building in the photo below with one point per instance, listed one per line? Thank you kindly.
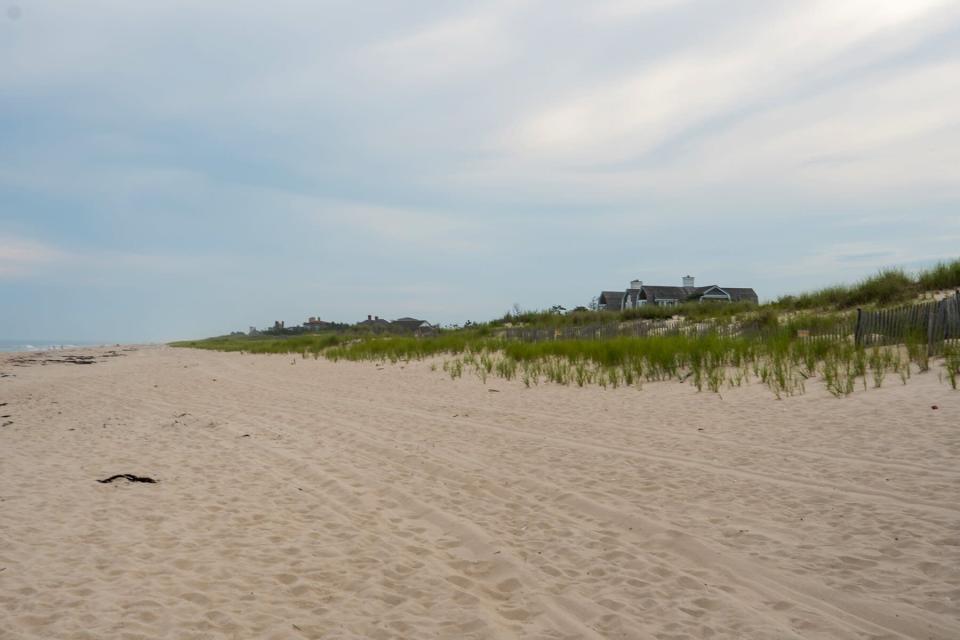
(375, 324)
(414, 326)
(610, 300)
(639, 294)
(401, 325)
(316, 324)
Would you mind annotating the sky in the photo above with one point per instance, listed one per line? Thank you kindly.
(174, 169)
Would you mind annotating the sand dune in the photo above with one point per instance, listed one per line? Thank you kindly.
(306, 499)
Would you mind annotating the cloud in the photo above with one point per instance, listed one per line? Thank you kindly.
(749, 64)
(20, 257)
(892, 135)
(407, 229)
(443, 49)
(619, 10)
(528, 148)
(863, 257)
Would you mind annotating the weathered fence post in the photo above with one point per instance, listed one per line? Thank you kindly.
(945, 312)
(956, 299)
(930, 316)
(857, 336)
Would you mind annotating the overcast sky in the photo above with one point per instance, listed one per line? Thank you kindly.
(180, 169)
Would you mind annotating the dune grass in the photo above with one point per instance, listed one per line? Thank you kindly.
(887, 287)
(261, 344)
(775, 355)
(394, 349)
(786, 344)
(690, 310)
(945, 275)
(777, 359)
(713, 363)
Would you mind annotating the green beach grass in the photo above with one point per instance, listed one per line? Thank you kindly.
(781, 344)
(778, 359)
(887, 287)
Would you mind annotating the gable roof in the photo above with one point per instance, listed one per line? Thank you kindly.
(702, 291)
(611, 297)
(655, 292)
(741, 293)
(411, 323)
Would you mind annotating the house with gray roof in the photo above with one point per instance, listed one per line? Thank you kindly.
(414, 326)
(315, 324)
(639, 294)
(417, 327)
(612, 300)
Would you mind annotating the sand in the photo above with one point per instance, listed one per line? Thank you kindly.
(307, 499)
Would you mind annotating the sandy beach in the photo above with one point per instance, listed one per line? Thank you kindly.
(307, 499)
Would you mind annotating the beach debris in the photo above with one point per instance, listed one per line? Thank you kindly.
(3, 404)
(178, 418)
(24, 361)
(934, 407)
(494, 390)
(127, 476)
(7, 423)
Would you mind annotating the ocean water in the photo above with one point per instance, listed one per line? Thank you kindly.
(46, 345)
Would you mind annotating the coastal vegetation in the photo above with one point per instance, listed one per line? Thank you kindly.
(887, 287)
(783, 344)
(313, 343)
(777, 359)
